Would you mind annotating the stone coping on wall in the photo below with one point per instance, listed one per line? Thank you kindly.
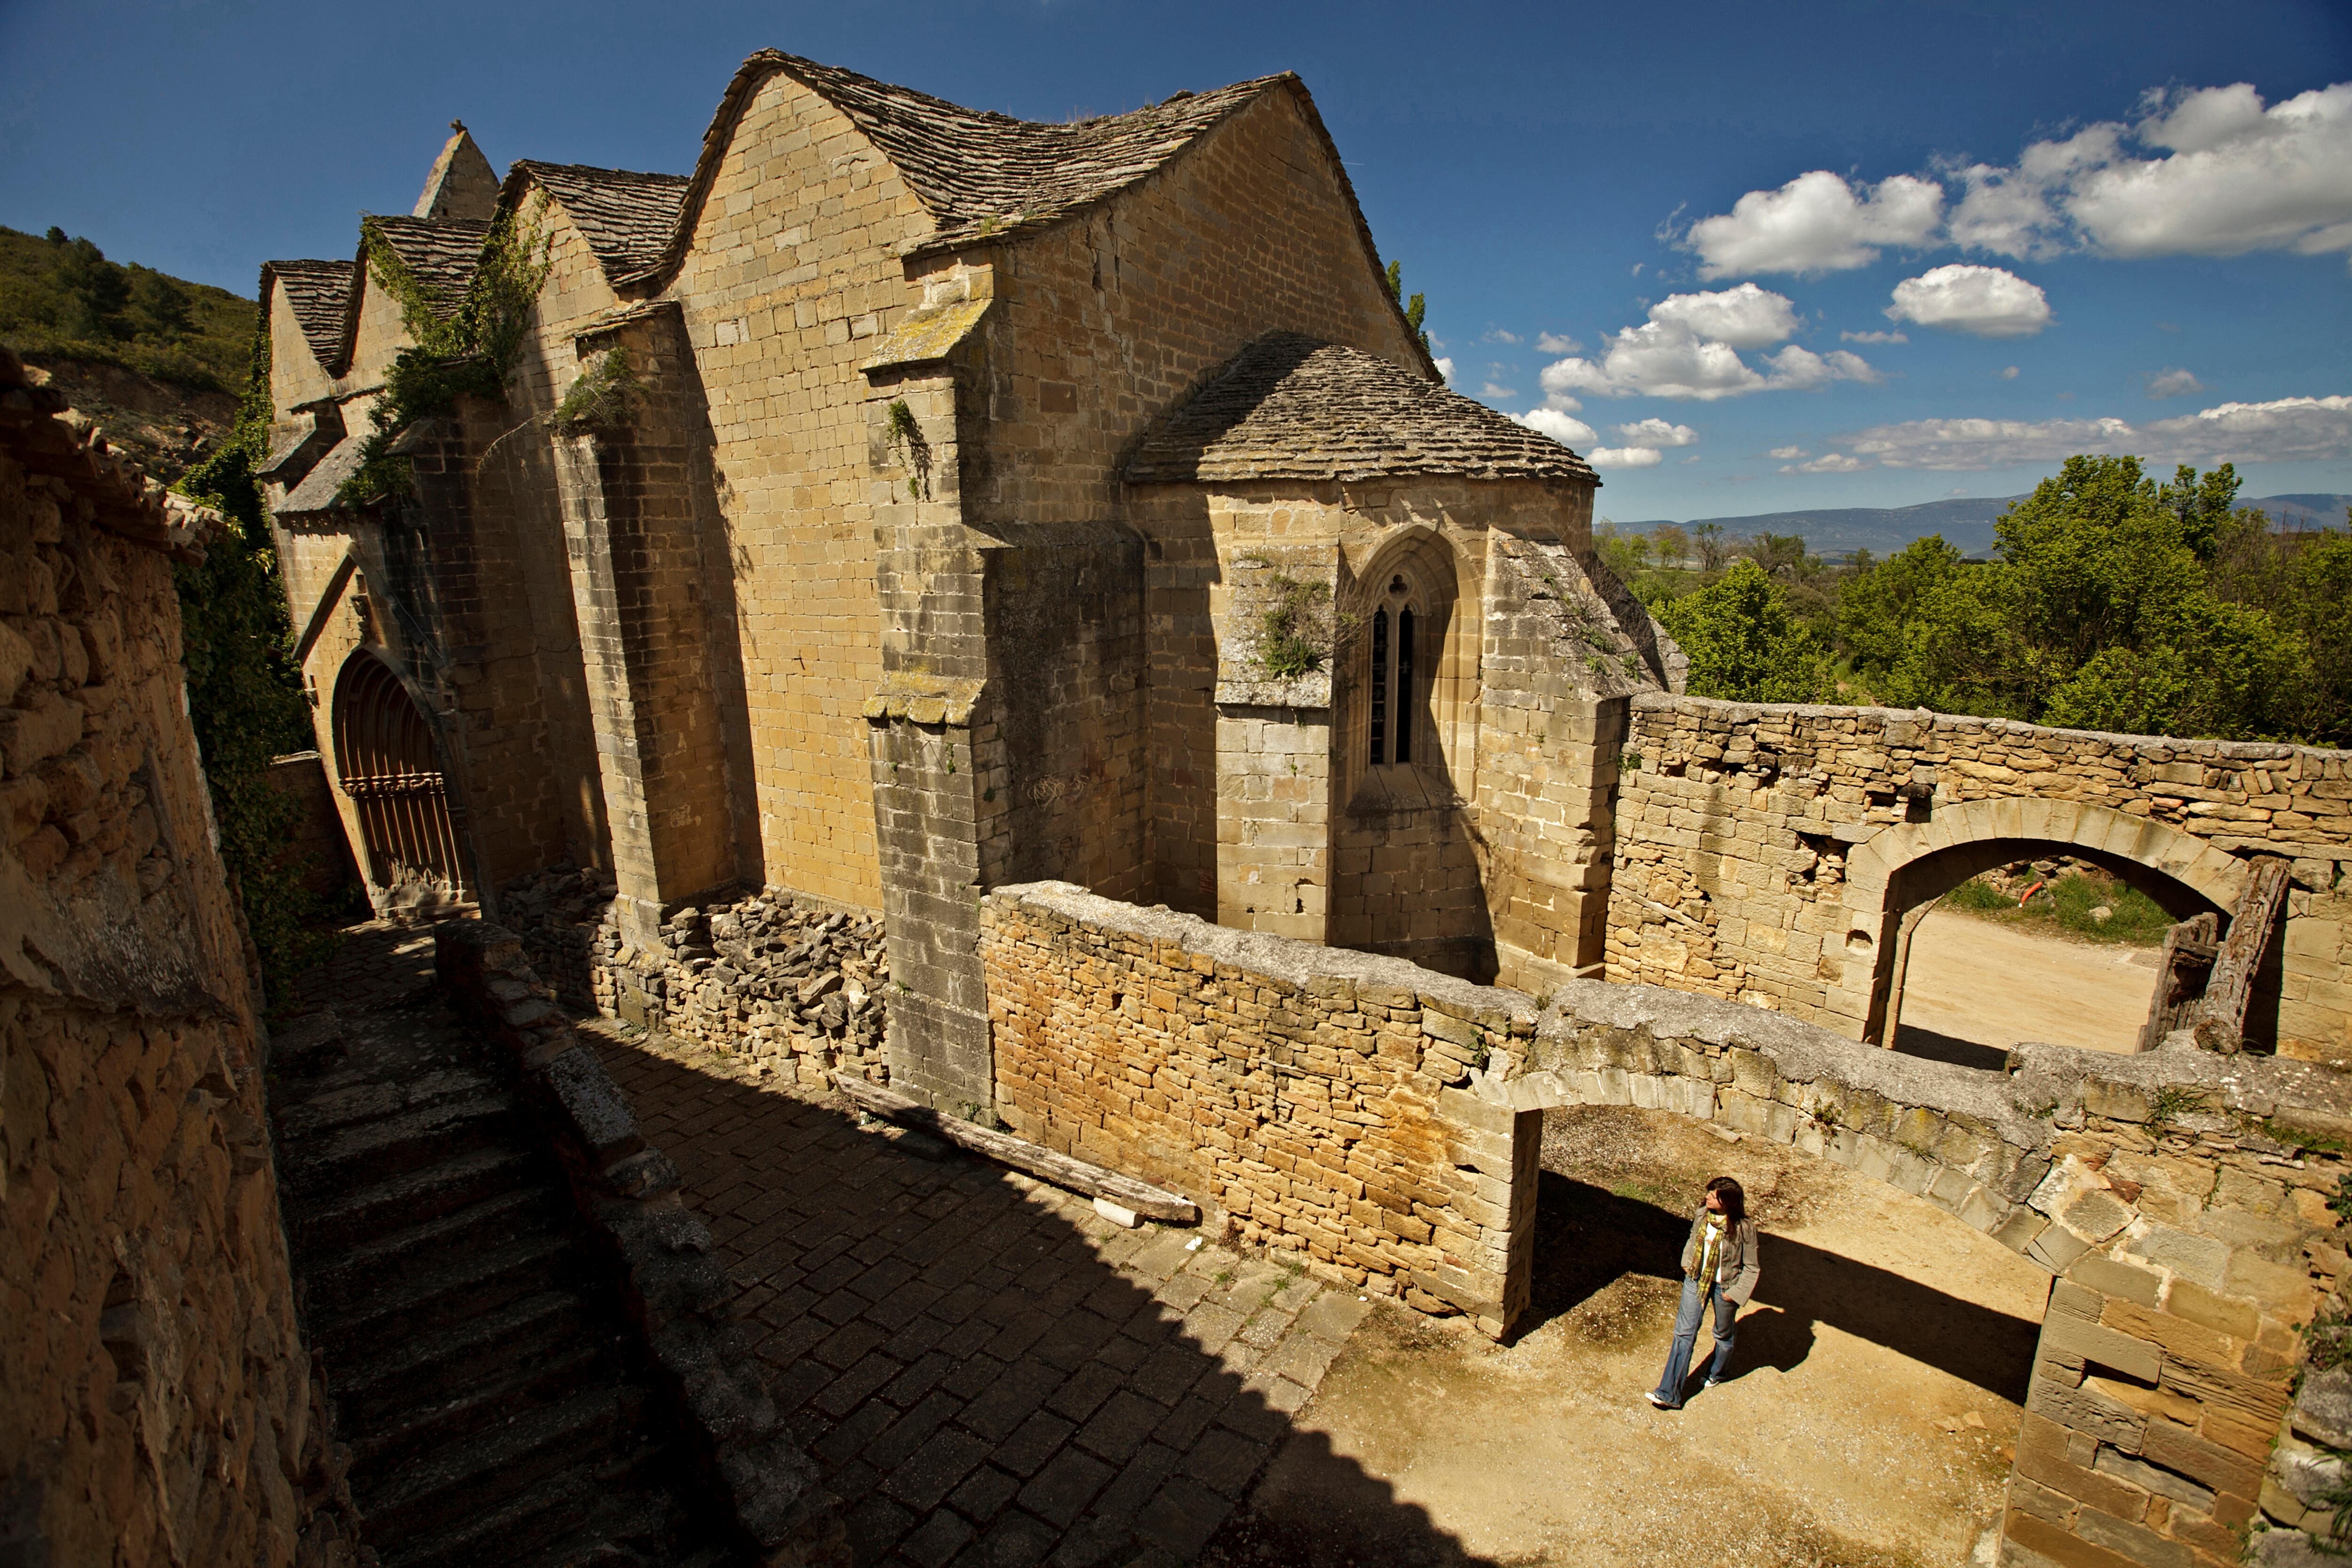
(1928, 718)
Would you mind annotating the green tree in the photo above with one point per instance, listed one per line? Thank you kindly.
(95, 291)
(1415, 310)
(1743, 643)
(1672, 544)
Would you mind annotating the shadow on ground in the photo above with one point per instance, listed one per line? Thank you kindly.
(1912, 1040)
(989, 1374)
(1588, 1237)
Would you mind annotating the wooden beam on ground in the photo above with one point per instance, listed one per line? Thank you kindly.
(2220, 1017)
(1151, 1202)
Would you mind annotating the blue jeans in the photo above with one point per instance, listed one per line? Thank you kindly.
(1686, 1321)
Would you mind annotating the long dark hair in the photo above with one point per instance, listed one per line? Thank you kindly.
(1735, 1200)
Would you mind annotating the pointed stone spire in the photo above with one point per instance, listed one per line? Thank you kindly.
(461, 184)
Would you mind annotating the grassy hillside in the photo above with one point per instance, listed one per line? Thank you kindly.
(61, 298)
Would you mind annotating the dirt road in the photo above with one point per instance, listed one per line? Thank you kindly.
(1865, 1425)
(1988, 985)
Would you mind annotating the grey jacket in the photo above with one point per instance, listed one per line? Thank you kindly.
(1738, 1267)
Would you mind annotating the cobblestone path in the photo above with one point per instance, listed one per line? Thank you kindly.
(988, 1370)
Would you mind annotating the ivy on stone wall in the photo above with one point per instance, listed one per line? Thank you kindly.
(468, 350)
(245, 695)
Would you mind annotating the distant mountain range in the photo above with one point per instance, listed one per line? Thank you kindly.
(1966, 524)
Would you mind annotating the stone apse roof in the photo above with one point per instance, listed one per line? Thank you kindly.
(1293, 407)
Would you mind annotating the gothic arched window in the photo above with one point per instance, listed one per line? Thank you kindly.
(1394, 649)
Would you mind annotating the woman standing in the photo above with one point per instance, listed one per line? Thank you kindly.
(1719, 1265)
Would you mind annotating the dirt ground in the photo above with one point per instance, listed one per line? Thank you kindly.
(1866, 1423)
(1976, 983)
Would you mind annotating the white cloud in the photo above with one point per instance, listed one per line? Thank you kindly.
(2202, 171)
(1445, 369)
(2172, 383)
(1690, 347)
(2009, 374)
(1983, 301)
(1827, 463)
(1789, 453)
(1745, 317)
(1816, 222)
(1623, 457)
(2284, 429)
(1500, 336)
(1497, 392)
(1566, 429)
(1872, 337)
(1656, 433)
(1557, 344)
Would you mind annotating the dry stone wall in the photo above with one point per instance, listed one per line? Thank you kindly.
(1760, 850)
(1308, 1098)
(801, 989)
(156, 1404)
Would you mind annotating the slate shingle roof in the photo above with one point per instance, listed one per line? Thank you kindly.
(319, 293)
(441, 252)
(1293, 407)
(626, 218)
(971, 166)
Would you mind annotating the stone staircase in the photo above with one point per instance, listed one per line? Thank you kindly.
(495, 1402)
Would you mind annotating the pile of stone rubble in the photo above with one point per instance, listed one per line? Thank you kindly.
(799, 988)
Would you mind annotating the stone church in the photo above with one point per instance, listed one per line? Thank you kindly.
(991, 501)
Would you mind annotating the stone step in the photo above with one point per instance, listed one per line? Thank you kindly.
(341, 1219)
(562, 1522)
(385, 1147)
(315, 1110)
(439, 1297)
(495, 1393)
(498, 1221)
(443, 1488)
(377, 1383)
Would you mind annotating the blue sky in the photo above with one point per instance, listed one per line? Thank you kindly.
(1704, 200)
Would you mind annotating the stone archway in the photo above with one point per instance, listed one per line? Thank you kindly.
(1895, 875)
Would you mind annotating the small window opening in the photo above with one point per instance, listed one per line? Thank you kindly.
(1379, 685)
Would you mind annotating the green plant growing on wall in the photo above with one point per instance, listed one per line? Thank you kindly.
(906, 435)
(600, 397)
(245, 695)
(468, 350)
(2173, 1101)
(1288, 648)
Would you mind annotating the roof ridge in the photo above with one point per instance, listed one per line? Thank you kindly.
(318, 312)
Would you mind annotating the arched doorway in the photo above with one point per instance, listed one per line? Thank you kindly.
(390, 766)
(1905, 870)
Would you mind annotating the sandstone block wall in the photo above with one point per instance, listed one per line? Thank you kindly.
(1309, 1098)
(155, 1399)
(1770, 853)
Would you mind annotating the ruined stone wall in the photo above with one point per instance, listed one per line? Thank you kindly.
(799, 988)
(155, 1400)
(1334, 1104)
(1303, 1095)
(1760, 850)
